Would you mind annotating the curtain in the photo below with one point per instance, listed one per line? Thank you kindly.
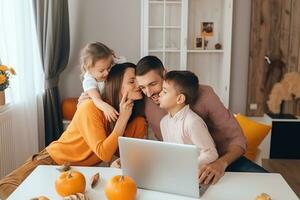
(18, 48)
(52, 26)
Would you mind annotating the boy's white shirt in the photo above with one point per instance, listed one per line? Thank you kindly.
(89, 82)
(186, 127)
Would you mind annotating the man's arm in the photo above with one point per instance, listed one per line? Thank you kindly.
(226, 132)
(211, 173)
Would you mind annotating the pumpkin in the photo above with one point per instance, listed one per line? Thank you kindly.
(120, 188)
(70, 182)
(69, 107)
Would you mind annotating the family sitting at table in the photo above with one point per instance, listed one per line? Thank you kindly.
(174, 105)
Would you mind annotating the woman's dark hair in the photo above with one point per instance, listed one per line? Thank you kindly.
(112, 88)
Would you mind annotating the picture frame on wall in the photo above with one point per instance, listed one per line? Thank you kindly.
(207, 29)
(199, 42)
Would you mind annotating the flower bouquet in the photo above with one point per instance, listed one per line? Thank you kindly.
(287, 89)
(5, 75)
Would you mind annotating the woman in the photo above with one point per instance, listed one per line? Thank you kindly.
(90, 139)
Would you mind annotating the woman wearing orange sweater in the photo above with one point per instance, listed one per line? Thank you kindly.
(90, 138)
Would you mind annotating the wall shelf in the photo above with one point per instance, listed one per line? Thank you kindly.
(169, 30)
(166, 27)
(188, 51)
(166, 50)
(205, 51)
(167, 2)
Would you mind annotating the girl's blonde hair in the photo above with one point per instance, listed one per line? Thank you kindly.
(93, 52)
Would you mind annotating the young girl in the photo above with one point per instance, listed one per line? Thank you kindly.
(96, 62)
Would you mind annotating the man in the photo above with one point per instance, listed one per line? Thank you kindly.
(225, 130)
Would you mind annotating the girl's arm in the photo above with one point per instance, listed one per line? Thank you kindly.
(110, 113)
(90, 86)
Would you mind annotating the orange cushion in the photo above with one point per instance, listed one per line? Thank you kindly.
(254, 132)
(69, 107)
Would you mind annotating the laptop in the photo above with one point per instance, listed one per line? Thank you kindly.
(161, 166)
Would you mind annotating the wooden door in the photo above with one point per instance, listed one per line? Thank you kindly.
(275, 33)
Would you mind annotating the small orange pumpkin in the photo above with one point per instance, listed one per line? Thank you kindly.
(70, 182)
(69, 107)
(120, 188)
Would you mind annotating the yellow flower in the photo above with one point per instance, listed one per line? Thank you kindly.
(12, 71)
(2, 79)
(3, 68)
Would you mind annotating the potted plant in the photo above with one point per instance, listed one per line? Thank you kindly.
(5, 75)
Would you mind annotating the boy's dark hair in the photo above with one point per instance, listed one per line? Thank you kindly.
(148, 63)
(186, 83)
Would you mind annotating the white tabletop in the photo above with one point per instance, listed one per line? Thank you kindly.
(244, 186)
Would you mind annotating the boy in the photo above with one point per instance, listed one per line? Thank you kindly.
(181, 124)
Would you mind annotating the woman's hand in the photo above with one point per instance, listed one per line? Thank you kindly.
(116, 163)
(126, 106)
(124, 114)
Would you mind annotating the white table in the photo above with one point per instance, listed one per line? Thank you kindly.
(243, 186)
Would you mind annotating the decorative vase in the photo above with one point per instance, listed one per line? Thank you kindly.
(281, 115)
(2, 98)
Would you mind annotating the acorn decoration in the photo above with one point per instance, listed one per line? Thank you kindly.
(77, 196)
(263, 196)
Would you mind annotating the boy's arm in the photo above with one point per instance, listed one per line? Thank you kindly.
(199, 135)
(163, 130)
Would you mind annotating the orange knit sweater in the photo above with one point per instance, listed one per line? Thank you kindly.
(87, 142)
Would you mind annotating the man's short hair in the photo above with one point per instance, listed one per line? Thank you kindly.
(186, 83)
(149, 63)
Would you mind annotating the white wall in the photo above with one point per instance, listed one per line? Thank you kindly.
(117, 24)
